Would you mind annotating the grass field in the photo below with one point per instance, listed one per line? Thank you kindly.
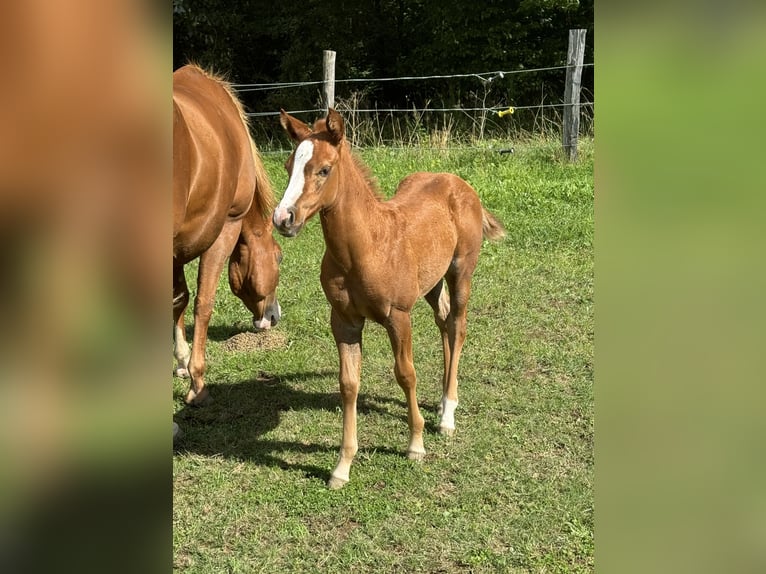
(512, 491)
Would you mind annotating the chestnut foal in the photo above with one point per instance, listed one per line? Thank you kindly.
(380, 257)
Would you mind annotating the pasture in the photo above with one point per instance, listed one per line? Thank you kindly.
(512, 491)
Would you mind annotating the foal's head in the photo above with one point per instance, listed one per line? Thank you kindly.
(311, 169)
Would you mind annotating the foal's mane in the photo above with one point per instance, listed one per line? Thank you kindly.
(369, 178)
(365, 171)
(263, 196)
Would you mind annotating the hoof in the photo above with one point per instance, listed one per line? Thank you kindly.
(336, 483)
(447, 431)
(181, 372)
(416, 455)
(197, 400)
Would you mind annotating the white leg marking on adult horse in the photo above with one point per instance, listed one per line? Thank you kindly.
(447, 422)
(303, 154)
(182, 352)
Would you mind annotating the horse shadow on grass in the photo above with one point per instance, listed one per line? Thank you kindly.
(234, 422)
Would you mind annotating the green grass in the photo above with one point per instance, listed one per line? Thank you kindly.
(512, 491)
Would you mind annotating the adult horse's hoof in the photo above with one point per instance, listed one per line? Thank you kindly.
(447, 431)
(181, 372)
(336, 483)
(197, 400)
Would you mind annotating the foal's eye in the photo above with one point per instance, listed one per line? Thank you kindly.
(324, 171)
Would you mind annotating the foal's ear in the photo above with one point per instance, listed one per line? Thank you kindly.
(335, 126)
(296, 129)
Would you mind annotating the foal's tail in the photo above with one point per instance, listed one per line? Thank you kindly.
(491, 226)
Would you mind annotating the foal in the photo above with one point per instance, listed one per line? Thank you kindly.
(380, 257)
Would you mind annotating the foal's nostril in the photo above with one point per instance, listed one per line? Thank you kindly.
(283, 218)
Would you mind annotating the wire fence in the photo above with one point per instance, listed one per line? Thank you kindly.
(481, 75)
(491, 113)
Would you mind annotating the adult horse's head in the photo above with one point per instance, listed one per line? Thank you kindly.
(254, 263)
(254, 275)
(312, 183)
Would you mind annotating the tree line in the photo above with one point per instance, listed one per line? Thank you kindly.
(257, 41)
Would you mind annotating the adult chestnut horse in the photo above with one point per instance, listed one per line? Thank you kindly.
(380, 257)
(222, 202)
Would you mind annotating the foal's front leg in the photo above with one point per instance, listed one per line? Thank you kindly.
(348, 337)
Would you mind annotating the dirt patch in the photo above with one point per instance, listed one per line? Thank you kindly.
(249, 341)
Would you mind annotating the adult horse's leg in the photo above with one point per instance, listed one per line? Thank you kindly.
(459, 283)
(348, 337)
(399, 330)
(210, 266)
(438, 299)
(181, 349)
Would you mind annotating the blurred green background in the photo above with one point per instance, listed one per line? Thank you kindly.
(680, 194)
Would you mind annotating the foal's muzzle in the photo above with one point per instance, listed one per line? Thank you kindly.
(284, 222)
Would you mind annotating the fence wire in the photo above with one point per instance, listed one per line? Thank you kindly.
(484, 76)
(482, 119)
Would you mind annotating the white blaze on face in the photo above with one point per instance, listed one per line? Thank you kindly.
(303, 154)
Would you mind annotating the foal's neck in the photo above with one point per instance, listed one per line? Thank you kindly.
(346, 223)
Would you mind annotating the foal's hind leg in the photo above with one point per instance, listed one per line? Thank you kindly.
(438, 299)
(459, 283)
(400, 333)
(181, 349)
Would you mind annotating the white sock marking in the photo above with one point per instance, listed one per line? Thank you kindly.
(181, 348)
(448, 413)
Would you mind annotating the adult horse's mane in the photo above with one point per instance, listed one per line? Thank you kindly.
(263, 198)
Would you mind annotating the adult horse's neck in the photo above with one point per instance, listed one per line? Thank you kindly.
(254, 222)
(346, 223)
(257, 220)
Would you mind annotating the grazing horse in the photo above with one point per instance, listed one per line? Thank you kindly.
(222, 202)
(380, 257)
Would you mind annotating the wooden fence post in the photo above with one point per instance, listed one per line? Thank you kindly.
(571, 127)
(328, 66)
